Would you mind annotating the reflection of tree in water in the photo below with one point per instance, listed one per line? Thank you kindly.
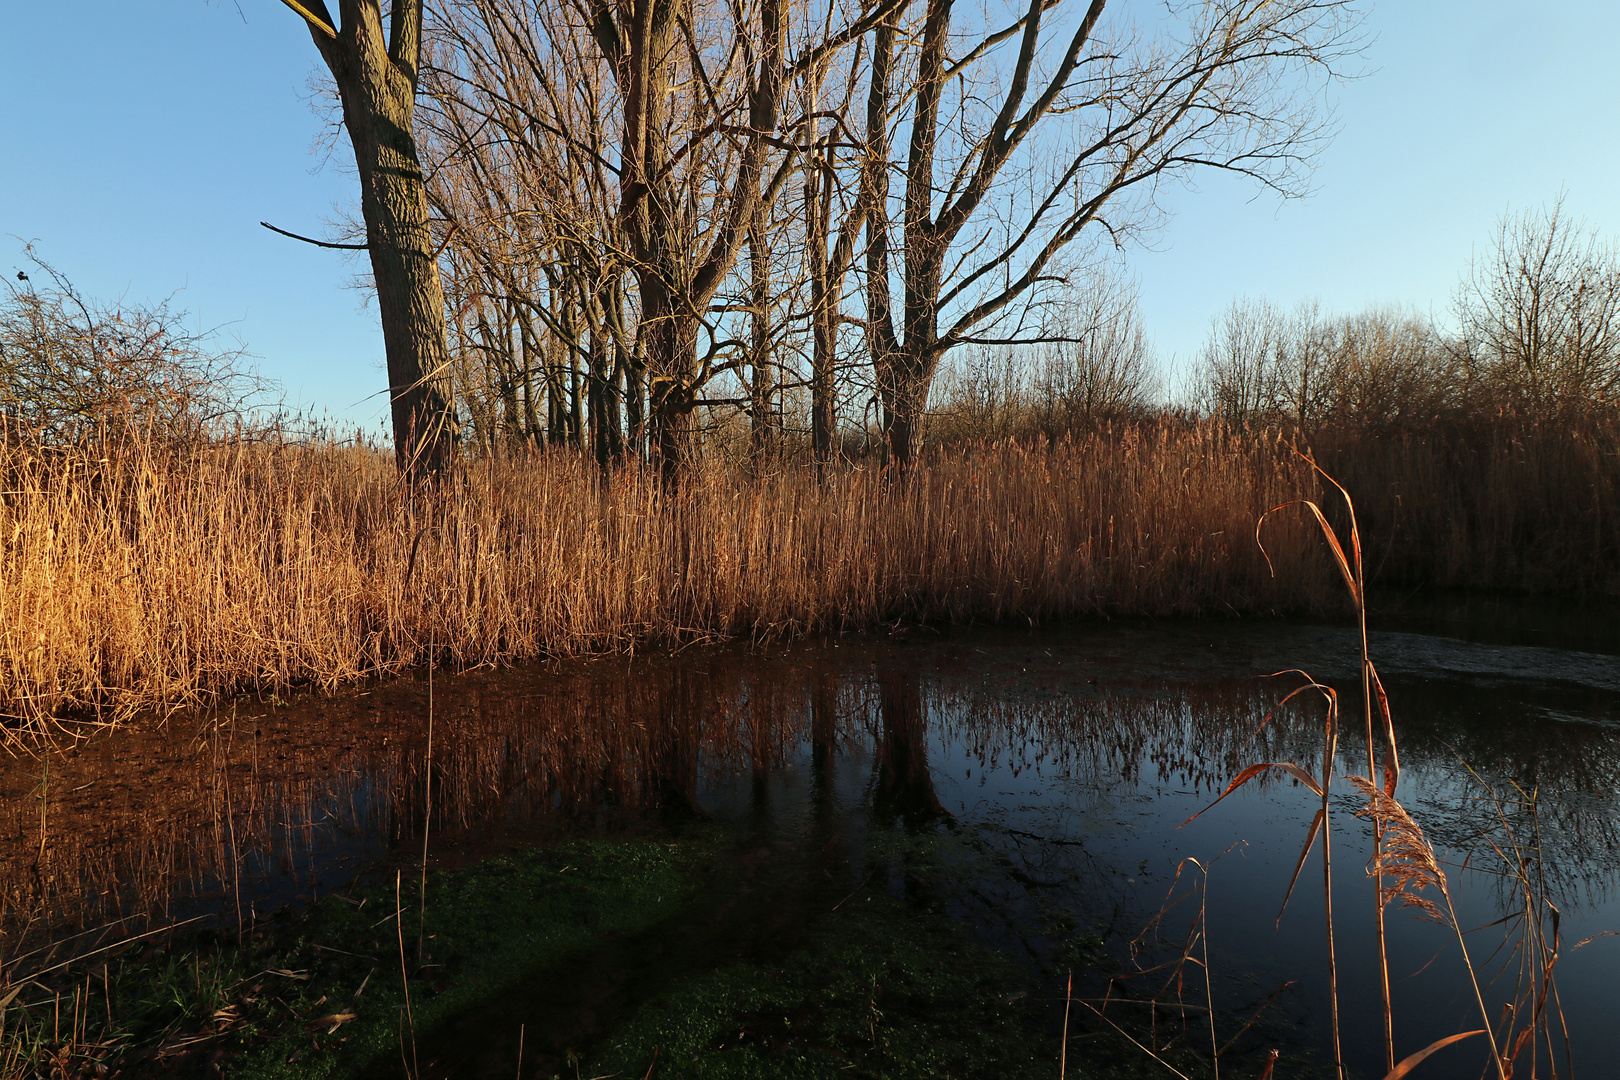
(1551, 780)
(823, 728)
(189, 809)
(680, 741)
(904, 787)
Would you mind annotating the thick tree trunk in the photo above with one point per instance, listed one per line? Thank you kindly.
(903, 386)
(656, 214)
(378, 87)
(881, 338)
(671, 344)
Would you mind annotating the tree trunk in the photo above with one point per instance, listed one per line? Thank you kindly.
(823, 324)
(377, 83)
(607, 442)
(762, 421)
(903, 386)
(671, 344)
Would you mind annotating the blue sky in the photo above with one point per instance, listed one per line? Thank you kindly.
(144, 142)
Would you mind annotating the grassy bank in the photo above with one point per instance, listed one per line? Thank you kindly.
(606, 955)
(146, 577)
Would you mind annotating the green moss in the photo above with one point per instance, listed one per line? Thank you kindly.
(715, 962)
(255, 1010)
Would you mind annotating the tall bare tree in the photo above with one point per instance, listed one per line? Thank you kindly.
(1016, 149)
(376, 78)
(519, 131)
(830, 238)
(691, 184)
(688, 184)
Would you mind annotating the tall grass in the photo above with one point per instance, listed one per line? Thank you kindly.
(147, 577)
(1505, 503)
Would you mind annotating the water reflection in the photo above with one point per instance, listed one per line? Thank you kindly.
(1060, 761)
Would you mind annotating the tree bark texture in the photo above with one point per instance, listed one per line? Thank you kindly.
(376, 80)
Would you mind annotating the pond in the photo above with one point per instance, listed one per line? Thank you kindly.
(1046, 776)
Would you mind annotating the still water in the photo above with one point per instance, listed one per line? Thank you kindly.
(1057, 766)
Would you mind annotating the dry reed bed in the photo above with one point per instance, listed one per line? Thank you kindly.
(1521, 506)
(145, 579)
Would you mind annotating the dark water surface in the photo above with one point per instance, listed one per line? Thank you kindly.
(1054, 765)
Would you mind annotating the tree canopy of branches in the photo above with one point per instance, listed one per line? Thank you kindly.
(1026, 137)
(582, 144)
(1539, 316)
(601, 166)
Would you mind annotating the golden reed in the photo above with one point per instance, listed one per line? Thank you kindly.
(149, 578)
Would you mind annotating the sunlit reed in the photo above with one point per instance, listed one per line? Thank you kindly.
(159, 579)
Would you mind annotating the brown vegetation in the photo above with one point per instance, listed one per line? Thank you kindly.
(72, 368)
(150, 579)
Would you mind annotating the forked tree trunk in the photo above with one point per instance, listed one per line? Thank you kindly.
(903, 389)
(376, 80)
(671, 342)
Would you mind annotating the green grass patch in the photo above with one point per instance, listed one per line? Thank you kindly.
(689, 956)
(878, 990)
(322, 994)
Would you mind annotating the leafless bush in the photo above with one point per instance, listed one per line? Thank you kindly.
(1092, 365)
(71, 368)
(983, 393)
(1098, 365)
(1539, 316)
(1377, 371)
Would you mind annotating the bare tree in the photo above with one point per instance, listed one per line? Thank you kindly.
(1241, 359)
(1540, 315)
(1096, 363)
(834, 214)
(994, 193)
(376, 79)
(519, 132)
(704, 144)
(1095, 366)
(690, 169)
(1379, 370)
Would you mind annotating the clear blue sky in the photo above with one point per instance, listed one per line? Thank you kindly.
(143, 142)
